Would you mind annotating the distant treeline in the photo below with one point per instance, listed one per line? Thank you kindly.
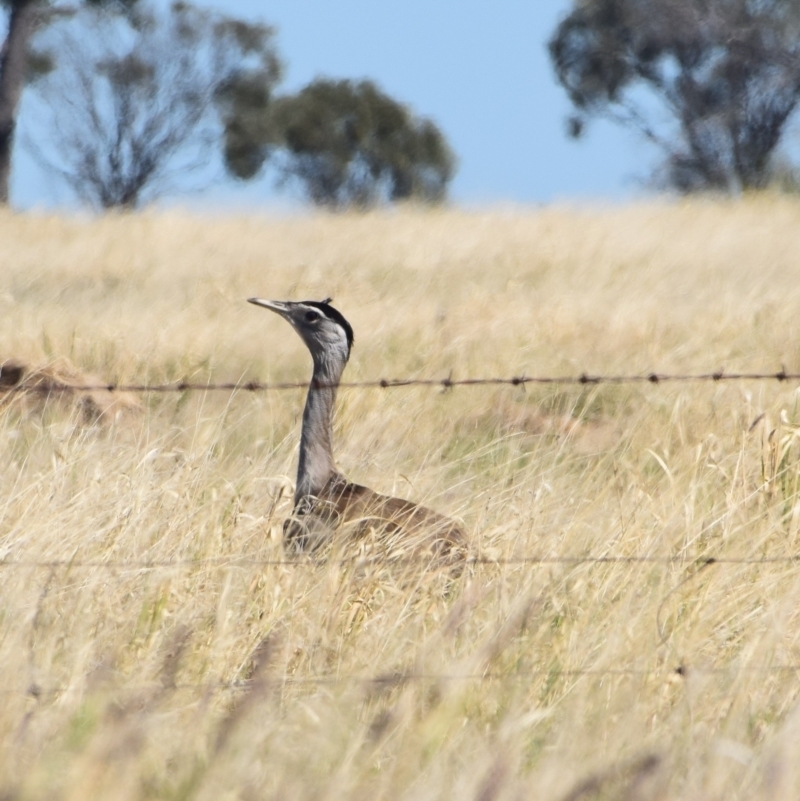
(129, 102)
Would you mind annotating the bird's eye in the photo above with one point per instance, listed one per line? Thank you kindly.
(312, 316)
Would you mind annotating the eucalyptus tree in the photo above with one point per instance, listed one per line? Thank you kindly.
(347, 143)
(713, 84)
(139, 102)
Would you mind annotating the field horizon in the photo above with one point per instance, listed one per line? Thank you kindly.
(629, 627)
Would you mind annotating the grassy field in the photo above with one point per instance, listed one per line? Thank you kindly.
(193, 679)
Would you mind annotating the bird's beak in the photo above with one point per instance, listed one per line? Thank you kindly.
(273, 305)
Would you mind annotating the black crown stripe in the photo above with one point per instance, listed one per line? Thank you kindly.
(335, 315)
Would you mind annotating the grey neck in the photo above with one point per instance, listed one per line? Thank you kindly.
(316, 465)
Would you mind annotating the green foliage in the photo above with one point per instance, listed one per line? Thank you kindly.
(134, 100)
(726, 73)
(349, 144)
(243, 98)
(244, 101)
(40, 63)
(123, 6)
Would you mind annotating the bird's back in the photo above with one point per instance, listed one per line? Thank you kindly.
(343, 511)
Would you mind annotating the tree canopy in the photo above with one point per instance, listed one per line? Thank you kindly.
(133, 97)
(725, 73)
(349, 144)
(137, 101)
(18, 63)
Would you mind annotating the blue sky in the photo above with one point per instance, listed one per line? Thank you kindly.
(480, 69)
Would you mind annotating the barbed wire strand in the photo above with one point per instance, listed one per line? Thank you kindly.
(400, 679)
(254, 561)
(390, 383)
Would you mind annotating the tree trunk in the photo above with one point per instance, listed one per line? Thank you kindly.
(13, 66)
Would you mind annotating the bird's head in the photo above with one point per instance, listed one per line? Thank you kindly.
(324, 329)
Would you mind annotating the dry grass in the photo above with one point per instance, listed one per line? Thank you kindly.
(116, 681)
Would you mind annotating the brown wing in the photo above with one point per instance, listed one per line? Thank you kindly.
(356, 512)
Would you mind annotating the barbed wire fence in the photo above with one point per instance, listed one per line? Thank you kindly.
(652, 378)
(310, 562)
(584, 378)
(399, 679)
(46, 386)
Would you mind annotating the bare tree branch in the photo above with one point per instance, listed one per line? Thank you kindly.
(133, 107)
(726, 72)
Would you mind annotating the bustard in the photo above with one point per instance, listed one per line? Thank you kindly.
(327, 507)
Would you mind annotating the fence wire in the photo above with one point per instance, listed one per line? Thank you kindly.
(402, 679)
(48, 386)
(223, 562)
(395, 680)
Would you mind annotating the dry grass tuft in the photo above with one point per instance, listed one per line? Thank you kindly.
(31, 389)
(156, 644)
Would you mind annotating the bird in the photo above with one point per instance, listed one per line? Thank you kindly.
(327, 507)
